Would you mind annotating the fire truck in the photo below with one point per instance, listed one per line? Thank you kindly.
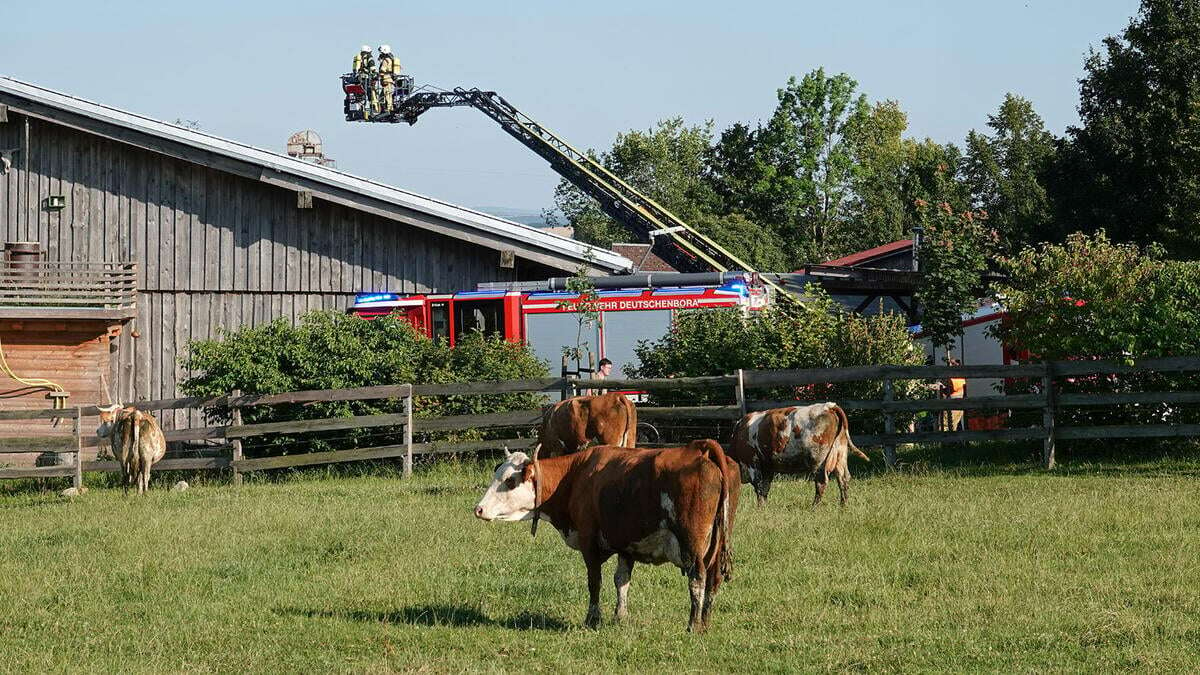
(631, 309)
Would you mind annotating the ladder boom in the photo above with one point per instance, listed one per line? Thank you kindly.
(691, 251)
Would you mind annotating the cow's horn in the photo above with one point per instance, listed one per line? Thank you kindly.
(104, 390)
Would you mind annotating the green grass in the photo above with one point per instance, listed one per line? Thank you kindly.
(953, 566)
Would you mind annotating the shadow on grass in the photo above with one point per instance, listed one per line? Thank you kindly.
(436, 615)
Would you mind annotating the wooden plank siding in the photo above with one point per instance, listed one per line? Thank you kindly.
(215, 250)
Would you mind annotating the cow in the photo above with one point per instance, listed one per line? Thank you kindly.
(812, 440)
(570, 425)
(137, 442)
(668, 505)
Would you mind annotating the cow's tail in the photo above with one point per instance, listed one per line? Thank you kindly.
(721, 541)
(127, 432)
(630, 425)
(844, 423)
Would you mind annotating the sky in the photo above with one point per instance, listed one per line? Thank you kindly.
(257, 71)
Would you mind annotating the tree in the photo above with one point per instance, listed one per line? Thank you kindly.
(807, 162)
(665, 163)
(1133, 167)
(1006, 173)
(954, 257)
(879, 214)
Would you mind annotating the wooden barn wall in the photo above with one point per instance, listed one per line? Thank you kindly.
(215, 250)
(70, 353)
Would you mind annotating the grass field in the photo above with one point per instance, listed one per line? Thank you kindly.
(947, 569)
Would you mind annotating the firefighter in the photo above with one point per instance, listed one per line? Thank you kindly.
(389, 70)
(364, 67)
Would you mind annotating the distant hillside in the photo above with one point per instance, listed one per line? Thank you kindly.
(530, 217)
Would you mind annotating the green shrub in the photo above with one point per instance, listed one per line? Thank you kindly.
(821, 335)
(1092, 299)
(331, 350)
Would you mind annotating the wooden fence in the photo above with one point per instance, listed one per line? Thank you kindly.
(738, 388)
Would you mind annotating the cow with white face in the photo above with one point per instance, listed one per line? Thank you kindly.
(668, 505)
(510, 497)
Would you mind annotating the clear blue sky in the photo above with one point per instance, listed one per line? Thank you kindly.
(255, 71)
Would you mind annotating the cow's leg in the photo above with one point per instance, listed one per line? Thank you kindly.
(621, 580)
(145, 476)
(697, 584)
(820, 481)
(594, 564)
(762, 483)
(843, 479)
(713, 580)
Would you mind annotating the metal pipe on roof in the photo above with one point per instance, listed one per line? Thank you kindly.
(652, 280)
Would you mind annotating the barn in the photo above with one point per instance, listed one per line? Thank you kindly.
(129, 237)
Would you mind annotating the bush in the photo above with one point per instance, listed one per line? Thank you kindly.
(784, 336)
(331, 350)
(1092, 299)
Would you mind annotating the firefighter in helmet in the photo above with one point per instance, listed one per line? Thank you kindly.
(389, 70)
(364, 67)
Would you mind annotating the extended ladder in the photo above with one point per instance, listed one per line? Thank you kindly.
(691, 251)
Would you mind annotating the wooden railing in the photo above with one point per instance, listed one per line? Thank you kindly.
(105, 286)
(738, 388)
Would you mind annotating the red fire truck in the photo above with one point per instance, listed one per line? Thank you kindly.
(547, 319)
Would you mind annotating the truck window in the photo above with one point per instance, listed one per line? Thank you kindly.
(486, 316)
(439, 318)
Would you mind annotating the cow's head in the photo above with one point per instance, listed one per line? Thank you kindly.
(108, 416)
(510, 497)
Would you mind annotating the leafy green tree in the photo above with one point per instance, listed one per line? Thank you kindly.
(1006, 172)
(807, 162)
(954, 256)
(666, 163)
(879, 214)
(1133, 167)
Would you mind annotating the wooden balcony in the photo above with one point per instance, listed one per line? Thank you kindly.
(68, 290)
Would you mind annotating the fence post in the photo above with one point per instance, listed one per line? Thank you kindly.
(78, 482)
(408, 423)
(236, 420)
(566, 387)
(740, 392)
(1048, 416)
(889, 423)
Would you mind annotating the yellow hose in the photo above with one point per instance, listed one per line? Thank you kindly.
(41, 383)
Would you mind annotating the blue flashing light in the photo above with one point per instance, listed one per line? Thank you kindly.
(375, 297)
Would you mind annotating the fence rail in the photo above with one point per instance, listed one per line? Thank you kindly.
(737, 387)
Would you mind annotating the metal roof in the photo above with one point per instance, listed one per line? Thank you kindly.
(485, 225)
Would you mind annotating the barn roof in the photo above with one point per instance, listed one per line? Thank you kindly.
(289, 172)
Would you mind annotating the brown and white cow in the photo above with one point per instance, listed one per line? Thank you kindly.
(669, 505)
(812, 440)
(570, 425)
(137, 442)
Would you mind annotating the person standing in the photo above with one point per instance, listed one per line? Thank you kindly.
(603, 370)
(389, 70)
(364, 67)
(954, 387)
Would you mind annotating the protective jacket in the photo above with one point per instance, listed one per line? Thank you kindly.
(388, 65)
(363, 62)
